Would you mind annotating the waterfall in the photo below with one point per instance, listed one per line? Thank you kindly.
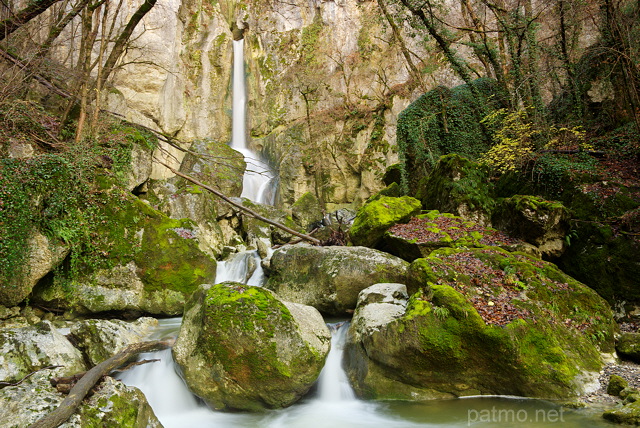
(245, 267)
(333, 384)
(259, 180)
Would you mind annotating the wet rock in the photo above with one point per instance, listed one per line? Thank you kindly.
(112, 405)
(628, 414)
(330, 278)
(240, 347)
(24, 350)
(101, 339)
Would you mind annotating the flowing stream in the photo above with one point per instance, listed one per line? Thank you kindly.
(332, 403)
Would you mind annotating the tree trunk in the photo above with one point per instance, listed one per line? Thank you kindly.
(25, 15)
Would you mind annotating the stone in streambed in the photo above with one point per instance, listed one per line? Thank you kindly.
(330, 278)
(240, 347)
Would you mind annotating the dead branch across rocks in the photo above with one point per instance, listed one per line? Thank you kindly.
(91, 377)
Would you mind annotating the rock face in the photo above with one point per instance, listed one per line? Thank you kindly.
(101, 339)
(375, 217)
(240, 347)
(112, 405)
(330, 278)
(485, 322)
(345, 56)
(28, 349)
(150, 263)
(43, 257)
(534, 220)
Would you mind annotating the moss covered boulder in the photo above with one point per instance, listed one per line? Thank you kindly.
(628, 346)
(43, 256)
(485, 322)
(240, 347)
(628, 414)
(535, 220)
(330, 278)
(427, 232)
(219, 166)
(375, 217)
(307, 211)
(138, 259)
(459, 186)
(112, 404)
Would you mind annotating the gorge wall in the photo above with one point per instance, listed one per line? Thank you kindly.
(326, 80)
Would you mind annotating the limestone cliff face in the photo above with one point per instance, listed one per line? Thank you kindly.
(326, 80)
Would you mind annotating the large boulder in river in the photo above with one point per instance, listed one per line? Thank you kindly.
(240, 347)
(378, 215)
(112, 404)
(24, 350)
(330, 278)
(485, 322)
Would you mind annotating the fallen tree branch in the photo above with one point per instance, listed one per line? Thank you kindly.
(84, 385)
(3, 384)
(249, 211)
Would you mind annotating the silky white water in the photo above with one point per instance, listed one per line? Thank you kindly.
(258, 181)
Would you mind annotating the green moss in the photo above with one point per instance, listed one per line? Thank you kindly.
(310, 39)
(539, 354)
(375, 217)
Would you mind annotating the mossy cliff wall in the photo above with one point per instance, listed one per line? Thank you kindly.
(326, 81)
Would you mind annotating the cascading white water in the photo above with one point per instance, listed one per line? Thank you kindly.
(245, 267)
(258, 180)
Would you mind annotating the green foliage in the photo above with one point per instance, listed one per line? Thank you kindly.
(513, 136)
(441, 312)
(310, 39)
(58, 193)
(444, 121)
